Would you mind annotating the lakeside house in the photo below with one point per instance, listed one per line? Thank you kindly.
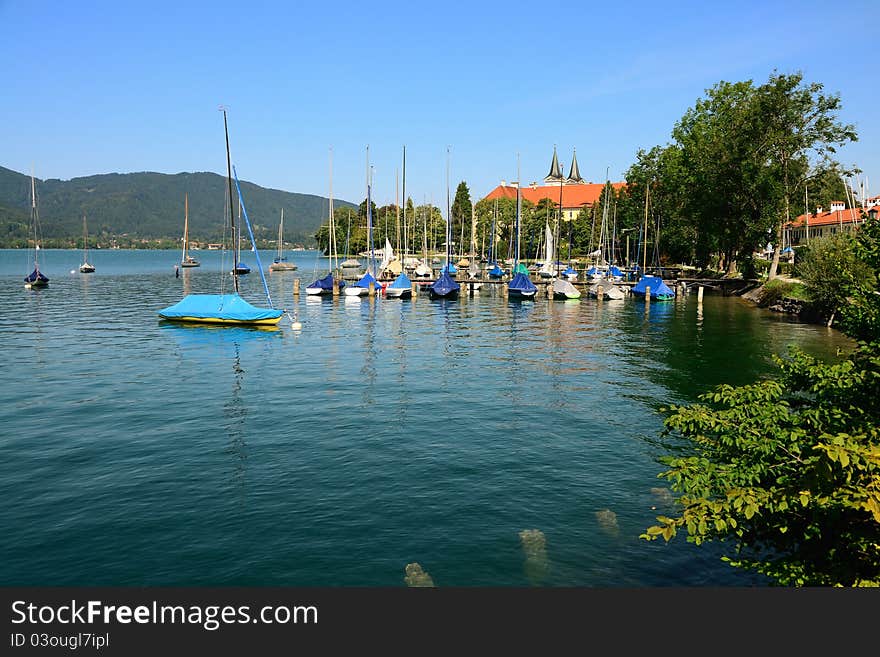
(824, 223)
(577, 193)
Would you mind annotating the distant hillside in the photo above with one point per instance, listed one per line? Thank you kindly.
(151, 206)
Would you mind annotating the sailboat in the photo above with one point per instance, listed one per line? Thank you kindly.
(423, 269)
(492, 268)
(186, 260)
(652, 285)
(225, 309)
(324, 286)
(362, 287)
(548, 269)
(85, 267)
(281, 263)
(445, 287)
(401, 287)
(600, 275)
(36, 277)
(520, 286)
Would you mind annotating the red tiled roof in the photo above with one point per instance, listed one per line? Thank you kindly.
(573, 196)
(828, 218)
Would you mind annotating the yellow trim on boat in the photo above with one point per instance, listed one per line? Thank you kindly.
(271, 321)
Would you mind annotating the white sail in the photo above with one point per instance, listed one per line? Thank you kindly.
(548, 267)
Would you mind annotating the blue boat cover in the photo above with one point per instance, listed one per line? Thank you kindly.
(450, 268)
(229, 307)
(326, 283)
(444, 286)
(615, 271)
(402, 282)
(569, 271)
(496, 272)
(241, 267)
(658, 287)
(522, 284)
(592, 271)
(365, 281)
(35, 275)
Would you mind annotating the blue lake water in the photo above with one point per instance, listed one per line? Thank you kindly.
(383, 432)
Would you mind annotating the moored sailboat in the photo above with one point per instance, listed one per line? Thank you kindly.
(400, 287)
(281, 263)
(186, 260)
(368, 281)
(86, 267)
(650, 285)
(36, 279)
(328, 284)
(445, 287)
(520, 286)
(225, 309)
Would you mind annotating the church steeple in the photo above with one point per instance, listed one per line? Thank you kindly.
(555, 174)
(574, 176)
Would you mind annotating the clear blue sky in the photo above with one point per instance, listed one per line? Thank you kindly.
(100, 87)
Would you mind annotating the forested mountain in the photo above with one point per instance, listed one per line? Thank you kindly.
(150, 206)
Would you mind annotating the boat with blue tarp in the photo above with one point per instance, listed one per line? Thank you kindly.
(227, 309)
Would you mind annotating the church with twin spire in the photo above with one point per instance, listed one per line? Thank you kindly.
(574, 192)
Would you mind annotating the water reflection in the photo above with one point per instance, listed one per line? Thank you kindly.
(235, 412)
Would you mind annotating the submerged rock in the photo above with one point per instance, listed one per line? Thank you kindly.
(534, 544)
(608, 521)
(416, 576)
(662, 496)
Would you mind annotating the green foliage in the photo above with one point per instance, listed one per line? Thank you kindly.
(774, 291)
(860, 316)
(786, 473)
(729, 179)
(461, 216)
(828, 267)
(504, 212)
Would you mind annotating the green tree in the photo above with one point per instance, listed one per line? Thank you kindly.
(860, 316)
(461, 216)
(798, 121)
(829, 266)
(824, 185)
(723, 188)
(786, 473)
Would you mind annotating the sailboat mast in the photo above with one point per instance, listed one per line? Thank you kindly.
(448, 215)
(371, 264)
(645, 235)
(405, 236)
(492, 255)
(555, 269)
(34, 221)
(518, 210)
(334, 255)
(185, 225)
(280, 237)
(235, 243)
